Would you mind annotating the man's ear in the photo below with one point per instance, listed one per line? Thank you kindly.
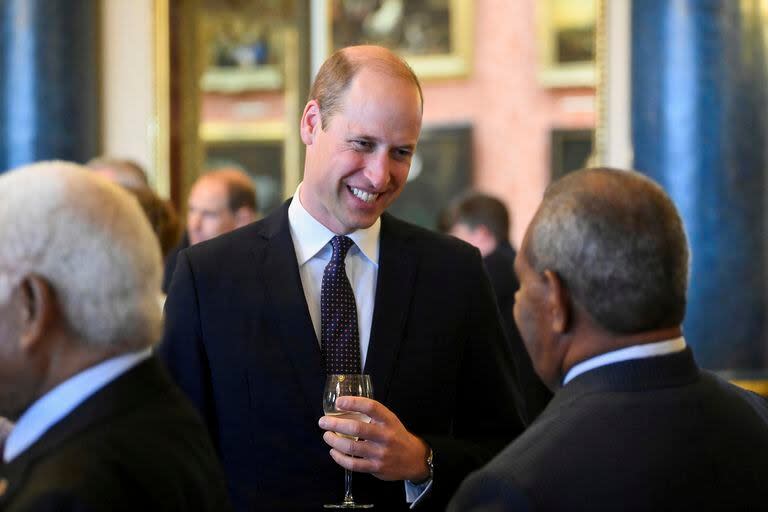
(558, 302)
(244, 215)
(38, 305)
(311, 121)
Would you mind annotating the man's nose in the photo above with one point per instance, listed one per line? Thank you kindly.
(378, 171)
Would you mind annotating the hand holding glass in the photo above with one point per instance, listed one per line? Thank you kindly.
(346, 385)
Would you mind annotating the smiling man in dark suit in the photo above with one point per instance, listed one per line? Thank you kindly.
(99, 423)
(634, 424)
(246, 334)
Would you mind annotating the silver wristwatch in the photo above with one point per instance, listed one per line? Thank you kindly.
(430, 463)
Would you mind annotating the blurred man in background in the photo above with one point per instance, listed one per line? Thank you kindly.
(483, 221)
(160, 212)
(220, 200)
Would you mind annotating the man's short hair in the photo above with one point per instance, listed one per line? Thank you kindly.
(337, 72)
(91, 241)
(241, 192)
(616, 240)
(475, 209)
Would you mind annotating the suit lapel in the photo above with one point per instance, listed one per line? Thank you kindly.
(394, 287)
(288, 307)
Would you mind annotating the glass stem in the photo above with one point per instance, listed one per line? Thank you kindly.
(348, 499)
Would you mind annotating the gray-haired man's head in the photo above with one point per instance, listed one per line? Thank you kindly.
(616, 240)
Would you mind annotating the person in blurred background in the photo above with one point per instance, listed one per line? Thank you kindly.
(483, 221)
(99, 424)
(160, 212)
(220, 200)
(162, 217)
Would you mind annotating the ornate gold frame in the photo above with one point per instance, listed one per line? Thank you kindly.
(551, 72)
(162, 115)
(455, 64)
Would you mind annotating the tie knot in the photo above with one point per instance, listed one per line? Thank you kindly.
(341, 245)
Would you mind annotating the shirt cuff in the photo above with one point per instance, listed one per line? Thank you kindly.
(414, 493)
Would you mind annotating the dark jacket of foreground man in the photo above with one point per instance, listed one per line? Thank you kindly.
(649, 434)
(136, 444)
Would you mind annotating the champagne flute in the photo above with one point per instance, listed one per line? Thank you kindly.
(347, 385)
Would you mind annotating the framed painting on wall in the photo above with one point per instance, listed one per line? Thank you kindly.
(434, 36)
(570, 151)
(566, 42)
(244, 44)
(257, 150)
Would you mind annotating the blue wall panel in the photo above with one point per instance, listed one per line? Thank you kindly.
(49, 105)
(699, 128)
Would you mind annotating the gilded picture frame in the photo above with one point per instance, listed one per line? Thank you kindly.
(566, 42)
(434, 36)
(258, 149)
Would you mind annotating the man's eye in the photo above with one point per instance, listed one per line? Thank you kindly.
(363, 145)
(403, 154)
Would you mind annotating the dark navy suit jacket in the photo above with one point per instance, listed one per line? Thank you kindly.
(649, 434)
(239, 340)
(135, 444)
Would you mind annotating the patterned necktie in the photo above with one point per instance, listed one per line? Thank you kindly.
(338, 326)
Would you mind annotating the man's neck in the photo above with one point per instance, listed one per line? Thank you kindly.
(71, 360)
(600, 342)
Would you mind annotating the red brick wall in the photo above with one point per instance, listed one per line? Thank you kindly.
(511, 112)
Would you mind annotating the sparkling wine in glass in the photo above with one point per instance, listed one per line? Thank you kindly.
(346, 385)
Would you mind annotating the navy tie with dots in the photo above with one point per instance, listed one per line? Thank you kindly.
(339, 339)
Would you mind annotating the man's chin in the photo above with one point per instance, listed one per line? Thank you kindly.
(361, 222)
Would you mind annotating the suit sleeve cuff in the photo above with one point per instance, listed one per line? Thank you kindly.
(414, 493)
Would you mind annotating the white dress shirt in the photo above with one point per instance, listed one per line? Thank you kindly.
(311, 241)
(61, 400)
(625, 354)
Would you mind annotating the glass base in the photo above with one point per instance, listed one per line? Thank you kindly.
(348, 505)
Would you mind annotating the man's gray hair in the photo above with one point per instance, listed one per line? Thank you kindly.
(90, 240)
(616, 240)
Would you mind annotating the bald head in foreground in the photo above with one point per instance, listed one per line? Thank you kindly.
(634, 424)
(252, 332)
(99, 425)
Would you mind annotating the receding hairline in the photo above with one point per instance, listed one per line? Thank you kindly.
(236, 184)
(382, 60)
(377, 59)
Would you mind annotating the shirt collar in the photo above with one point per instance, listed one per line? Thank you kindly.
(625, 354)
(310, 236)
(61, 400)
